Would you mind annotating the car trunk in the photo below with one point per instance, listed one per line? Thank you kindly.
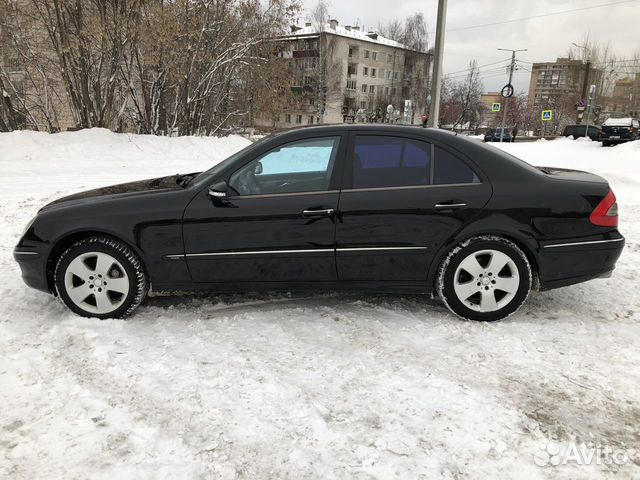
(615, 132)
(573, 175)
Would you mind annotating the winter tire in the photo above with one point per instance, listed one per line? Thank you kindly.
(100, 277)
(484, 278)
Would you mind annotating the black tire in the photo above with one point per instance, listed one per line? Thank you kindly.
(449, 266)
(605, 143)
(138, 284)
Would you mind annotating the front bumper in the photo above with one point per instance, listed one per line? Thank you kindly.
(563, 263)
(33, 265)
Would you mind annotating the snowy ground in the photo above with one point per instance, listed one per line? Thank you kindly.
(300, 386)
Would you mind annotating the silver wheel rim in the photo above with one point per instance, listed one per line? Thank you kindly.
(486, 281)
(96, 282)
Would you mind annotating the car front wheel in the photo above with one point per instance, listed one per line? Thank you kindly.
(484, 278)
(100, 277)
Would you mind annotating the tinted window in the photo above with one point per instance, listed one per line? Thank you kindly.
(380, 161)
(450, 169)
(302, 166)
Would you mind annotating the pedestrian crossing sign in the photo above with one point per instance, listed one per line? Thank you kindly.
(547, 115)
(495, 107)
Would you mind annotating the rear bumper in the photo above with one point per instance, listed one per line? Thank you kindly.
(33, 267)
(575, 261)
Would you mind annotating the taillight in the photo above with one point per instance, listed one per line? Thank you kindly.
(606, 213)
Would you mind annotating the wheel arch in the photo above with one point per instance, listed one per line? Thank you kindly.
(527, 248)
(64, 242)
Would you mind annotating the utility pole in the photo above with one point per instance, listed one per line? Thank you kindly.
(585, 80)
(591, 99)
(506, 99)
(436, 79)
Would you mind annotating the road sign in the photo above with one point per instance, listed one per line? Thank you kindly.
(507, 91)
(547, 115)
(495, 107)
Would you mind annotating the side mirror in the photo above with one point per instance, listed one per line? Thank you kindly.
(218, 191)
(258, 170)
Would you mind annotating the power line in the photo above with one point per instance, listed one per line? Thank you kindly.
(543, 15)
(478, 67)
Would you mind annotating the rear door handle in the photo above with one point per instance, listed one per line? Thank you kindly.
(328, 212)
(440, 207)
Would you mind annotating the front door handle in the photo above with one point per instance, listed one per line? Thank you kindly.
(440, 207)
(328, 212)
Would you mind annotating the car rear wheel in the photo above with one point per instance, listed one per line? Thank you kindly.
(484, 278)
(100, 277)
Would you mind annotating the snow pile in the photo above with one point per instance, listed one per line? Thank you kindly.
(306, 386)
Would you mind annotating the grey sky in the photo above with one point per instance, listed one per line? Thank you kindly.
(545, 38)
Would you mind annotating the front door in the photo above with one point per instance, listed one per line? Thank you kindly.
(402, 199)
(277, 224)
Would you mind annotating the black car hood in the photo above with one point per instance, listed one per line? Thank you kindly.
(123, 189)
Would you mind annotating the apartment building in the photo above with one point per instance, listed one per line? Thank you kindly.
(625, 100)
(343, 74)
(563, 78)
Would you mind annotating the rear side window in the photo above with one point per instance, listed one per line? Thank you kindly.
(449, 169)
(380, 161)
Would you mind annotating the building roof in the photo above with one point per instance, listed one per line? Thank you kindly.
(372, 37)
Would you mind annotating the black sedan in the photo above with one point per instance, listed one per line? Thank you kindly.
(494, 134)
(379, 208)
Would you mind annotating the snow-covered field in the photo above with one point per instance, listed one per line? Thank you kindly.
(330, 386)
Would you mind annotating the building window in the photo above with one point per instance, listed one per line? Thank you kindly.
(351, 84)
(298, 118)
(372, 88)
(287, 118)
(388, 58)
(364, 88)
(365, 71)
(366, 53)
(393, 91)
(396, 75)
(310, 120)
(312, 101)
(373, 72)
(388, 74)
(374, 55)
(363, 105)
(386, 90)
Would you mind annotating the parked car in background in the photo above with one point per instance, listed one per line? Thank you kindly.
(493, 134)
(368, 207)
(619, 130)
(578, 131)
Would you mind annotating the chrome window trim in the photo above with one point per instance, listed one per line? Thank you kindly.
(409, 187)
(288, 194)
(592, 242)
(17, 252)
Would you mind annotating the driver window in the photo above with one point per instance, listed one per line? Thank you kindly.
(302, 166)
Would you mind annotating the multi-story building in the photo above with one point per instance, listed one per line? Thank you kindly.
(343, 74)
(560, 85)
(626, 97)
(489, 118)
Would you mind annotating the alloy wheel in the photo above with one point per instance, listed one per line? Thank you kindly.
(96, 282)
(486, 280)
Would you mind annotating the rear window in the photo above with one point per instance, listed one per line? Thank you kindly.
(617, 122)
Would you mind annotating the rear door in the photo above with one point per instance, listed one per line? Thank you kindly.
(402, 198)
